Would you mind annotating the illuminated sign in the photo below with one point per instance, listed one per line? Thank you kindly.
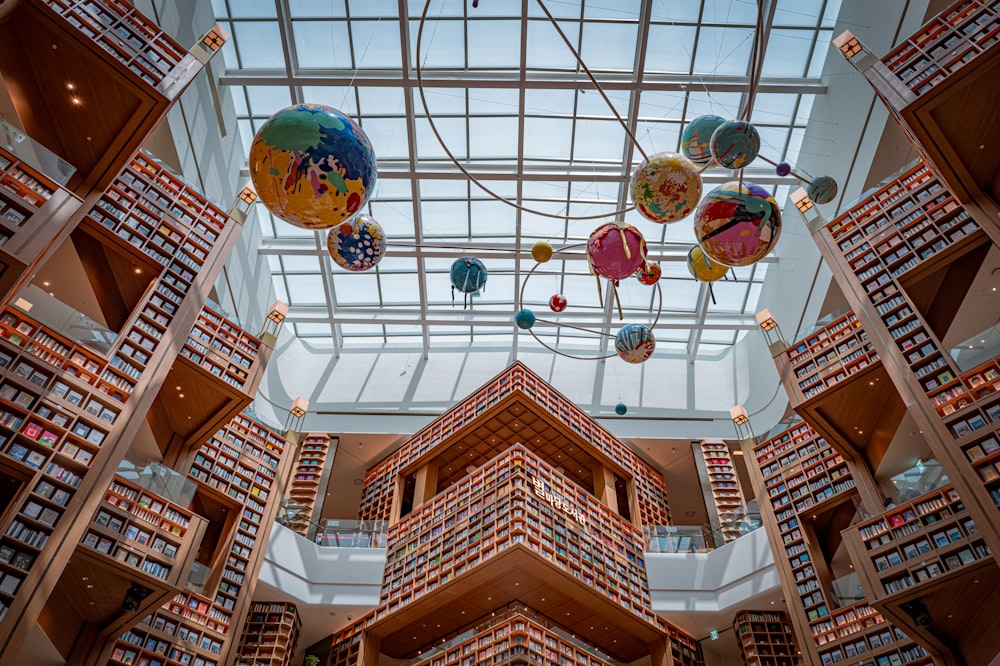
(557, 501)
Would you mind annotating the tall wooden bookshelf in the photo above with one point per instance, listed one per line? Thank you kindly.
(808, 495)
(724, 497)
(517, 379)
(905, 256)
(74, 409)
(896, 291)
(236, 471)
(765, 638)
(524, 524)
(270, 635)
(502, 504)
(98, 92)
(310, 474)
(154, 537)
(34, 212)
(940, 85)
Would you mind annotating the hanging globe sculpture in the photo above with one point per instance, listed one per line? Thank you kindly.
(735, 144)
(666, 187)
(737, 225)
(312, 166)
(621, 408)
(635, 343)
(697, 137)
(468, 276)
(704, 269)
(524, 319)
(616, 251)
(357, 244)
(783, 169)
(822, 189)
(541, 251)
(650, 276)
(557, 303)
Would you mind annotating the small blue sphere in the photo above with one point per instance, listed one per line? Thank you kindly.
(783, 169)
(524, 319)
(620, 409)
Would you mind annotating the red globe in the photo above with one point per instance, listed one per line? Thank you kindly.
(557, 303)
(650, 277)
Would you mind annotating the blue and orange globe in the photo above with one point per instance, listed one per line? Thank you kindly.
(737, 225)
(312, 166)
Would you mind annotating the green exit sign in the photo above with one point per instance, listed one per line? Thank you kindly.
(714, 634)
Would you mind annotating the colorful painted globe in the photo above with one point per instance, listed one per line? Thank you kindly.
(666, 187)
(704, 269)
(356, 244)
(635, 343)
(697, 138)
(621, 408)
(649, 276)
(524, 319)
(468, 275)
(616, 251)
(541, 251)
(312, 166)
(822, 189)
(558, 303)
(737, 226)
(735, 144)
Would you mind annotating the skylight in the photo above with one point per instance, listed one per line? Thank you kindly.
(513, 106)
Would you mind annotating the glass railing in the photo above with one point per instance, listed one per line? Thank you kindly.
(197, 578)
(924, 477)
(157, 479)
(977, 350)
(65, 320)
(335, 533)
(35, 154)
(676, 539)
(698, 538)
(847, 590)
(276, 427)
(351, 533)
(820, 323)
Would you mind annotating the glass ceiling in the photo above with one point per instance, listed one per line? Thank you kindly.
(514, 107)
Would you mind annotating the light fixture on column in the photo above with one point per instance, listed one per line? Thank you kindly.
(210, 43)
(245, 200)
(854, 51)
(769, 326)
(296, 414)
(276, 315)
(813, 218)
(741, 421)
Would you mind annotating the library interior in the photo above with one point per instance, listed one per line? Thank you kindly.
(672, 336)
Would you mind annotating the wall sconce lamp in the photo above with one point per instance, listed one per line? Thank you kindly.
(741, 421)
(772, 333)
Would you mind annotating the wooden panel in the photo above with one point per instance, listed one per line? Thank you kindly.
(517, 574)
(113, 117)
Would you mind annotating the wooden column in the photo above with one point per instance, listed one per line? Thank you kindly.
(426, 486)
(604, 487)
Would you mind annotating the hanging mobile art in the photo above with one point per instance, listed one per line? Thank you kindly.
(314, 167)
(736, 224)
